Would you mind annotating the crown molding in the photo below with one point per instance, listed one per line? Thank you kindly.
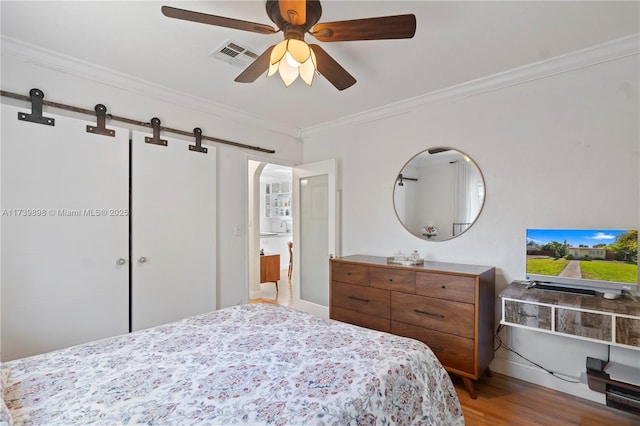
(613, 50)
(605, 52)
(78, 68)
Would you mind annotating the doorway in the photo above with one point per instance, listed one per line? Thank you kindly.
(270, 232)
(314, 201)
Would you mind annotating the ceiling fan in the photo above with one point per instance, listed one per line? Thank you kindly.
(293, 57)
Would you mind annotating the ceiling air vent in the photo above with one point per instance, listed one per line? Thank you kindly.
(234, 54)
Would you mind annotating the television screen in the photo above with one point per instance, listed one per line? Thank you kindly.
(602, 259)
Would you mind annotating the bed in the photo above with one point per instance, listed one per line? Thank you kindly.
(247, 364)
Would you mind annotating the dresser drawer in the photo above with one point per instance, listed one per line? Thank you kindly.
(393, 279)
(367, 300)
(443, 286)
(349, 273)
(437, 314)
(361, 319)
(453, 351)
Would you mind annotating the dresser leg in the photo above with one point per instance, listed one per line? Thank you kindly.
(488, 372)
(468, 384)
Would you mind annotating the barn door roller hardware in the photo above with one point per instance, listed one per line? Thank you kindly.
(101, 117)
(37, 101)
(155, 139)
(36, 110)
(197, 132)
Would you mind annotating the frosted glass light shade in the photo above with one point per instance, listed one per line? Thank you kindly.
(292, 58)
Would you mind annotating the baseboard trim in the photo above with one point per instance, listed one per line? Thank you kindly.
(538, 377)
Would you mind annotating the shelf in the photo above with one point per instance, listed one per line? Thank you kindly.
(277, 201)
(592, 318)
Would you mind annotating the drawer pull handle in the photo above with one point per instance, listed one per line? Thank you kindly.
(444, 286)
(390, 279)
(437, 348)
(431, 314)
(358, 299)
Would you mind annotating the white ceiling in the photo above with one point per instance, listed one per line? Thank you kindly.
(455, 42)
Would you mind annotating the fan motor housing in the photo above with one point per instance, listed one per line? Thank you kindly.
(313, 13)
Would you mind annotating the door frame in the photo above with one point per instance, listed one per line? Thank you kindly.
(255, 166)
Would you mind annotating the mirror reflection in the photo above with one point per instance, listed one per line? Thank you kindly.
(439, 194)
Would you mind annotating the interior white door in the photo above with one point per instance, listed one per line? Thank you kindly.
(315, 205)
(65, 245)
(173, 229)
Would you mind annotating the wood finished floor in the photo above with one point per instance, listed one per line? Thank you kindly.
(280, 297)
(504, 401)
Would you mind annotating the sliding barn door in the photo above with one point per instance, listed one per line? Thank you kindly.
(173, 231)
(64, 231)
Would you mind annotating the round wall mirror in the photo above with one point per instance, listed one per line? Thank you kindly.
(439, 194)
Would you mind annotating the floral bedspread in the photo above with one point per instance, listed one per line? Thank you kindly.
(248, 364)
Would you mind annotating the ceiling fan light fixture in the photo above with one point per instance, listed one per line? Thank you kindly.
(292, 58)
(288, 73)
(298, 50)
(308, 69)
(278, 52)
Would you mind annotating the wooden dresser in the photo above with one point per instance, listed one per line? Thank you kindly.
(270, 268)
(448, 306)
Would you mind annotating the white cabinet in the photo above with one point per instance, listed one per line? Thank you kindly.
(277, 201)
(75, 265)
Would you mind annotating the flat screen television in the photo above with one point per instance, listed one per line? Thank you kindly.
(602, 260)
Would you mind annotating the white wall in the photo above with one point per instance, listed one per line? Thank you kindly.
(558, 150)
(529, 139)
(65, 81)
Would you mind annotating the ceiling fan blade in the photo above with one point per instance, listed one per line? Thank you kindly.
(331, 70)
(256, 69)
(293, 11)
(220, 21)
(385, 27)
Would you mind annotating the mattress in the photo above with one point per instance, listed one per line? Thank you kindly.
(247, 364)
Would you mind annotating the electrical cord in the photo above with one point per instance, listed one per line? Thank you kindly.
(555, 374)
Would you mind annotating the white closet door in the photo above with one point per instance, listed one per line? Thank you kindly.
(62, 283)
(173, 231)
